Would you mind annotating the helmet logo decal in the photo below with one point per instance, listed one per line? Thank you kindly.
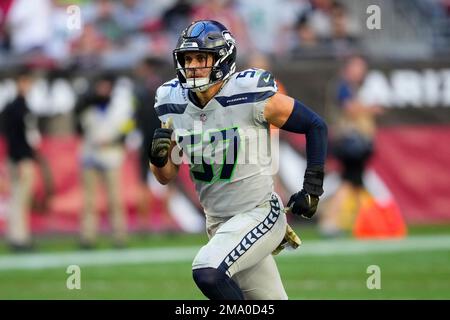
(189, 44)
(227, 36)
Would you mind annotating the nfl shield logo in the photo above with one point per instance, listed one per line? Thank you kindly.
(203, 117)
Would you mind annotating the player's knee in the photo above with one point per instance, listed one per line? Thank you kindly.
(216, 285)
(206, 278)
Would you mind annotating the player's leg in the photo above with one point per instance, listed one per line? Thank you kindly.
(262, 281)
(214, 284)
(238, 244)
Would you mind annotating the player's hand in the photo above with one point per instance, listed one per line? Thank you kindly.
(304, 204)
(159, 151)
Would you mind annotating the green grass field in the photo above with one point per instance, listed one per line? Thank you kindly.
(415, 268)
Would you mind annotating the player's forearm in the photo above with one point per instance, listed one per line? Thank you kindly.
(165, 174)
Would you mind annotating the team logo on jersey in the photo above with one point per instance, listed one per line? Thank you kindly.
(203, 117)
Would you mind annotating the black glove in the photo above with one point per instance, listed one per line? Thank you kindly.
(159, 151)
(303, 204)
(313, 180)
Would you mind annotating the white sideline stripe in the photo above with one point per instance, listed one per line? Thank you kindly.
(37, 261)
(349, 247)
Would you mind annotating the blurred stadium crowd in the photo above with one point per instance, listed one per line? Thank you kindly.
(123, 51)
(117, 34)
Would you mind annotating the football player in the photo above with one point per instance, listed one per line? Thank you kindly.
(213, 114)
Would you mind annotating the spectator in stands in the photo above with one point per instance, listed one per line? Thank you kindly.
(58, 46)
(326, 30)
(344, 37)
(267, 19)
(122, 25)
(87, 49)
(104, 119)
(175, 18)
(320, 18)
(307, 44)
(5, 7)
(105, 21)
(352, 145)
(131, 15)
(28, 24)
(21, 136)
(226, 13)
(446, 6)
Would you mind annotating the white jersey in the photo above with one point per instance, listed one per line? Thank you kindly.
(227, 142)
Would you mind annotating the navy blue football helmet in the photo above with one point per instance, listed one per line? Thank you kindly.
(206, 36)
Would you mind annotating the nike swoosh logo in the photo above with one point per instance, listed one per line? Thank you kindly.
(266, 79)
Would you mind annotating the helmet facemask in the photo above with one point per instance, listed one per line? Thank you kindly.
(194, 83)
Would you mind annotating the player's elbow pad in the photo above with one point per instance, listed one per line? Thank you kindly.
(304, 120)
